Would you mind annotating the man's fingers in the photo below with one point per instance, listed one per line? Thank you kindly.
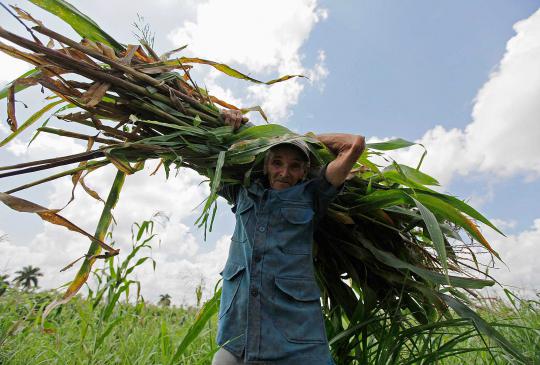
(234, 118)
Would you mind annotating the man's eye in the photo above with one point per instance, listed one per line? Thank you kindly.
(276, 163)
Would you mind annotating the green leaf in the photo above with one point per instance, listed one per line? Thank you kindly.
(413, 174)
(390, 259)
(101, 230)
(30, 121)
(393, 144)
(208, 311)
(80, 22)
(226, 69)
(18, 86)
(465, 208)
(483, 327)
(447, 211)
(266, 130)
(379, 199)
(435, 233)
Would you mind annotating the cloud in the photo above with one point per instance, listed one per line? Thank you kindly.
(10, 68)
(258, 37)
(502, 138)
(520, 253)
(180, 265)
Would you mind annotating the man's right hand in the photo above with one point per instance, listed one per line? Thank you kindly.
(234, 118)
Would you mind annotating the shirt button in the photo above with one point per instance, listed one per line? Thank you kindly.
(257, 258)
(261, 229)
(254, 291)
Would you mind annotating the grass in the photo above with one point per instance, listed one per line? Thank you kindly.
(144, 333)
(105, 328)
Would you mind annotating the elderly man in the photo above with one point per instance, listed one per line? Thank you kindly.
(270, 310)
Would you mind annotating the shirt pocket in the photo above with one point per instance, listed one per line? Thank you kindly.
(297, 310)
(232, 276)
(296, 232)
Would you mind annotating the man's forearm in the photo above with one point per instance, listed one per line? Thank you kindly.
(347, 148)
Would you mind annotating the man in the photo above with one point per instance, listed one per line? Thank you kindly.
(270, 309)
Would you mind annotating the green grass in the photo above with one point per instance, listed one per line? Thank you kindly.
(140, 334)
(143, 333)
(103, 328)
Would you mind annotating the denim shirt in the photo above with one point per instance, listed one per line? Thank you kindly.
(270, 303)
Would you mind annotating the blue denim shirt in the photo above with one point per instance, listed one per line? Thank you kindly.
(270, 304)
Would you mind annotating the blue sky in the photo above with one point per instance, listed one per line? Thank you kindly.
(441, 73)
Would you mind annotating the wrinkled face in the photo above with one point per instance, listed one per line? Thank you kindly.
(285, 167)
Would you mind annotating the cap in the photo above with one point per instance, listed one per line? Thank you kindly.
(298, 143)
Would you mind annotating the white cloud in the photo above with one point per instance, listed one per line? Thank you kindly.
(259, 37)
(502, 138)
(10, 68)
(180, 265)
(520, 253)
(255, 37)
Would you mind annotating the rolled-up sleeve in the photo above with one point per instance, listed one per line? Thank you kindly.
(323, 192)
(229, 192)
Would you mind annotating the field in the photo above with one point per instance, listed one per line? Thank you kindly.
(82, 332)
(104, 327)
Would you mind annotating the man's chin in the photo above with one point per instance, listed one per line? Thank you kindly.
(279, 185)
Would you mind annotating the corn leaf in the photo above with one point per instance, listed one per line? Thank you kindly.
(30, 121)
(435, 233)
(393, 144)
(94, 249)
(80, 22)
(19, 86)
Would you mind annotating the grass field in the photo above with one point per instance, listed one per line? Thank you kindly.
(103, 328)
(142, 333)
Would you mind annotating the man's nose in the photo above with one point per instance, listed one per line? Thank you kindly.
(285, 171)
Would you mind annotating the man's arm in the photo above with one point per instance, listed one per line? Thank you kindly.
(347, 148)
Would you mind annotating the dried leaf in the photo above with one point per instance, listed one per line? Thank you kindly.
(128, 55)
(32, 58)
(95, 93)
(49, 215)
(11, 119)
(107, 51)
(90, 44)
(23, 14)
(256, 108)
(166, 55)
(78, 55)
(77, 176)
(230, 71)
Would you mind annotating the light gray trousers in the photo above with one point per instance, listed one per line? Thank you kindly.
(224, 357)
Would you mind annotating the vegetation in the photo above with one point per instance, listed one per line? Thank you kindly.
(390, 257)
(165, 300)
(28, 277)
(4, 283)
(103, 328)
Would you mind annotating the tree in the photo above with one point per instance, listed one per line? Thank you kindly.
(4, 283)
(165, 300)
(28, 276)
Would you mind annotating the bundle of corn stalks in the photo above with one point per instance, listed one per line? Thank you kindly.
(388, 243)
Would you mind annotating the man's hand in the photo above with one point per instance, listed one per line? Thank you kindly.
(234, 118)
(347, 148)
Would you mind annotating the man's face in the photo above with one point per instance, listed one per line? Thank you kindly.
(285, 167)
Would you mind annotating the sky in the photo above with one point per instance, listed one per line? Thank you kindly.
(460, 77)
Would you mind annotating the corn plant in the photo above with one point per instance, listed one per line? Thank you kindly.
(389, 243)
